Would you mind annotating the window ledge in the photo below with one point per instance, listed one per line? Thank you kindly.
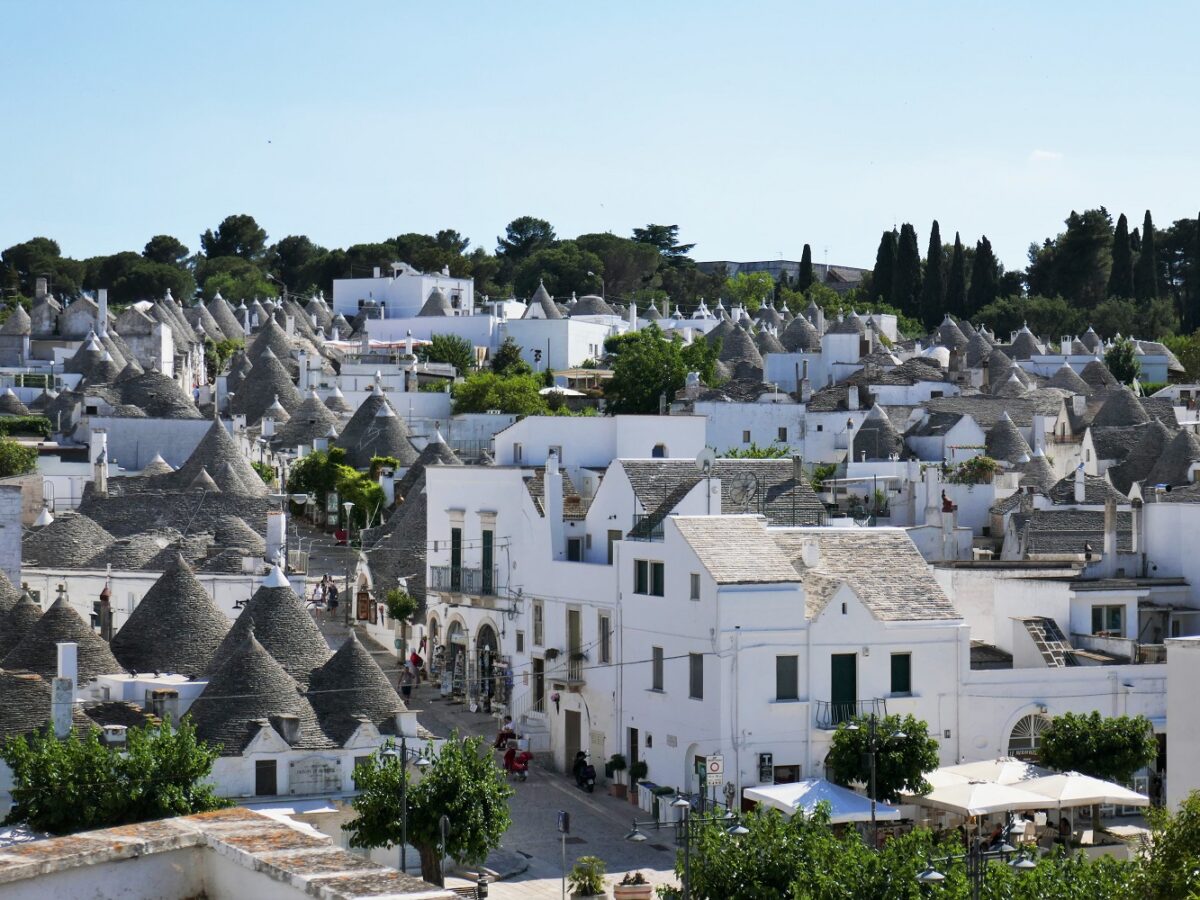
(788, 701)
(655, 691)
(901, 695)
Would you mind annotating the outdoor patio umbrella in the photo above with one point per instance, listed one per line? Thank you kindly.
(1070, 789)
(804, 795)
(1002, 770)
(980, 798)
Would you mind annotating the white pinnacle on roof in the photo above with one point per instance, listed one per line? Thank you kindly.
(44, 518)
(437, 436)
(92, 343)
(385, 411)
(275, 579)
(217, 296)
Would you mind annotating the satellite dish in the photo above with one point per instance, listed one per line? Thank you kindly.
(743, 487)
(705, 459)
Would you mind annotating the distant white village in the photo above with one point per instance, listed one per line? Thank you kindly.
(981, 530)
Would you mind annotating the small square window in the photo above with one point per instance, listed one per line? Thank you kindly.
(782, 435)
(695, 591)
(820, 428)
(745, 437)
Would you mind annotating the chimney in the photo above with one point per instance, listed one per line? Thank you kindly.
(114, 735)
(632, 316)
(322, 443)
(1135, 516)
(1110, 533)
(305, 382)
(691, 386)
(104, 613)
(333, 332)
(288, 726)
(290, 325)
(68, 662)
(810, 553)
(553, 503)
(268, 426)
(1039, 433)
(375, 272)
(99, 451)
(102, 316)
(805, 384)
(387, 481)
(408, 343)
(276, 527)
(40, 289)
(62, 702)
(1080, 484)
(1078, 404)
(852, 397)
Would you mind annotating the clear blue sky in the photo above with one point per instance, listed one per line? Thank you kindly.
(755, 127)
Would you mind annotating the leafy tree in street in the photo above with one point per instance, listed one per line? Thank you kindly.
(933, 288)
(885, 268)
(1171, 868)
(237, 235)
(464, 784)
(164, 249)
(666, 239)
(1121, 359)
(805, 277)
(900, 763)
(507, 359)
(956, 281)
(906, 276)
(1145, 274)
(983, 276)
(449, 348)
(16, 458)
(512, 394)
(1120, 278)
(80, 784)
(647, 365)
(1109, 747)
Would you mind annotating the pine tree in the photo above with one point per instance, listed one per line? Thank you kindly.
(805, 277)
(1120, 279)
(983, 276)
(933, 291)
(1145, 275)
(885, 267)
(906, 279)
(956, 284)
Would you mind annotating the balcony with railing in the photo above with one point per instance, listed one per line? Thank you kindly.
(645, 528)
(466, 580)
(832, 713)
(568, 670)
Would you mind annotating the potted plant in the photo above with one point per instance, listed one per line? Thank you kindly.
(615, 765)
(637, 772)
(551, 653)
(633, 886)
(586, 877)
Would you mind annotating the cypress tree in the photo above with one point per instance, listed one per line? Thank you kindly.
(1120, 279)
(805, 277)
(933, 291)
(780, 287)
(956, 284)
(906, 279)
(1145, 275)
(1193, 319)
(885, 266)
(983, 276)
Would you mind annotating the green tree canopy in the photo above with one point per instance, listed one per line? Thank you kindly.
(906, 276)
(1120, 277)
(647, 365)
(464, 784)
(1112, 748)
(749, 289)
(1145, 273)
(883, 275)
(626, 265)
(235, 278)
(452, 349)
(291, 260)
(933, 288)
(21, 265)
(79, 784)
(507, 359)
(666, 239)
(563, 267)
(956, 280)
(900, 763)
(512, 394)
(16, 458)
(165, 249)
(1076, 264)
(237, 235)
(985, 273)
(805, 276)
(1121, 359)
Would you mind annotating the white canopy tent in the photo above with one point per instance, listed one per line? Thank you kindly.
(804, 795)
(1069, 789)
(980, 798)
(1002, 770)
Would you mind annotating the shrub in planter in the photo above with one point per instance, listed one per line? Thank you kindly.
(637, 772)
(586, 877)
(615, 765)
(633, 886)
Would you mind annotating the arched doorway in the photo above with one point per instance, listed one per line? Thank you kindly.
(487, 655)
(1026, 737)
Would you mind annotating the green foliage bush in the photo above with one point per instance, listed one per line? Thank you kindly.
(16, 459)
(33, 426)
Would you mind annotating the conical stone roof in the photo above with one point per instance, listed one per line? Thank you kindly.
(541, 298)
(271, 382)
(376, 430)
(38, 649)
(1176, 460)
(877, 437)
(1097, 375)
(9, 595)
(1067, 379)
(768, 343)
(350, 685)
(248, 686)
(1025, 345)
(270, 337)
(800, 336)
(720, 332)
(312, 419)
(1012, 386)
(214, 450)
(436, 453)
(999, 365)
(977, 352)
(1121, 407)
(336, 402)
(69, 541)
(157, 466)
(1137, 465)
(15, 624)
(18, 322)
(175, 628)
(317, 307)
(1005, 442)
(740, 355)
(11, 405)
(282, 626)
(204, 482)
(1038, 472)
(949, 335)
(591, 305)
(436, 304)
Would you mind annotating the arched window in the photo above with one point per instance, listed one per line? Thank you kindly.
(1026, 737)
(659, 451)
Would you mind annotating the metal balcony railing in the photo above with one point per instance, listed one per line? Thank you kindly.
(473, 581)
(832, 713)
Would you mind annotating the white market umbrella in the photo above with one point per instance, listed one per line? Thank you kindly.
(1002, 770)
(1069, 789)
(980, 798)
(566, 392)
(804, 795)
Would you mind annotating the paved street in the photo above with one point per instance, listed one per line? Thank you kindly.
(598, 822)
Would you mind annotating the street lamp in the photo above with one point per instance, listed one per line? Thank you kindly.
(977, 859)
(686, 824)
(601, 277)
(875, 743)
(348, 506)
(685, 810)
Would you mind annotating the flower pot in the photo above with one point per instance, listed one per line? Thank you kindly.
(617, 790)
(633, 891)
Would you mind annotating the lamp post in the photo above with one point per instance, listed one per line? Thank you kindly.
(875, 743)
(728, 821)
(390, 753)
(976, 860)
(348, 506)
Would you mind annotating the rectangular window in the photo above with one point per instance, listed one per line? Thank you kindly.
(656, 668)
(456, 559)
(1108, 619)
(517, 453)
(489, 562)
(745, 437)
(820, 428)
(694, 593)
(537, 623)
(648, 578)
(574, 549)
(787, 678)
(901, 673)
(614, 535)
(696, 676)
(605, 629)
(782, 435)
(264, 778)
(520, 642)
